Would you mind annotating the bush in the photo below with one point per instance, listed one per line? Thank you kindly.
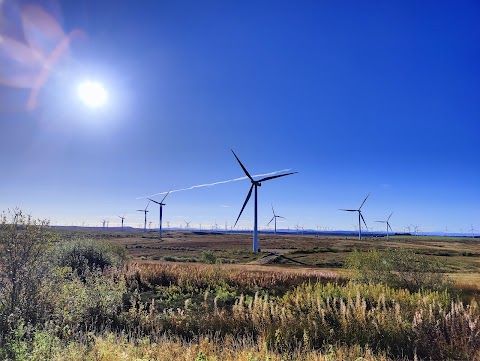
(83, 255)
(398, 268)
(24, 266)
(209, 257)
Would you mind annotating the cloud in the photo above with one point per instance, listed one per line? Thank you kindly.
(213, 184)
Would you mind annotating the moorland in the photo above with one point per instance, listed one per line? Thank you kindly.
(101, 294)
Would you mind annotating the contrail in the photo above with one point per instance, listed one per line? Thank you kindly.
(213, 184)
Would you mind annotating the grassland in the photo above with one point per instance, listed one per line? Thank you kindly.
(460, 257)
(292, 301)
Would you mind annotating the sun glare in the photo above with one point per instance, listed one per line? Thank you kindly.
(92, 94)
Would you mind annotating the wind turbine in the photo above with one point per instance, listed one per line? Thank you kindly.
(187, 224)
(446, 230)
(473, 231)
(388, 224)
(274, 218)
(360, 217)
(415, 229)
(122, 219)
(161, 204)
(255, 185)
(144, 211)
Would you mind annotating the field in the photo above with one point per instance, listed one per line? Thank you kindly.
(100, 294)
(460, 257)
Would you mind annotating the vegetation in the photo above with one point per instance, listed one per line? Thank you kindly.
(91, 304)
(398, 268)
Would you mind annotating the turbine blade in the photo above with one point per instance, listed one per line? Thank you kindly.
(388, 225)
(140, 210)
(166, 195)
(389, 216)
(348, 210)
(151, 200)
(147, 205)
(280, 217)
(245, 203)
(361, 215)
(364, 201)
(275, 176)
(273, 210)
(241, 165)
(271, 220)
(380, 221)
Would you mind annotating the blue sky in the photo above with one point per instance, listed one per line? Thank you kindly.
(380, 98)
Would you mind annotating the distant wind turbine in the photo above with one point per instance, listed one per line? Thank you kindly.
(446, 230)
(187, 224)
(254, 186)
(274, 218)
(388, 224)
(360, 217)
(122, 217)
(144, 211)
(161, 204)
(415, 229)
(103, 223)
(473, 231)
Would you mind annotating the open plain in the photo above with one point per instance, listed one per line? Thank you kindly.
(458, 256)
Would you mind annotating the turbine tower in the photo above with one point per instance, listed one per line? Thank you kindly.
(274, 218)
(254, 186)
(122, 217)
(360, 217)
(161, 204)
(144, 211)
(388, 224)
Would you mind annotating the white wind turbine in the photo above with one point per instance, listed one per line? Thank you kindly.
(122, 217)
(161, 204)
(473, 230)
(254, 186)
(144, 211)
(274, 218)
(360, 217)
(387, 223)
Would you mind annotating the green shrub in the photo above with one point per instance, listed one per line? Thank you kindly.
(83, 255)
(398, 268)
(208, 257)
(24, 266)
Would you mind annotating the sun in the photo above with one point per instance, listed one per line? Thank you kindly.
(92, 93)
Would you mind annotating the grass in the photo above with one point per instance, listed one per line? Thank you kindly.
(460, 256)
(292, 301)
